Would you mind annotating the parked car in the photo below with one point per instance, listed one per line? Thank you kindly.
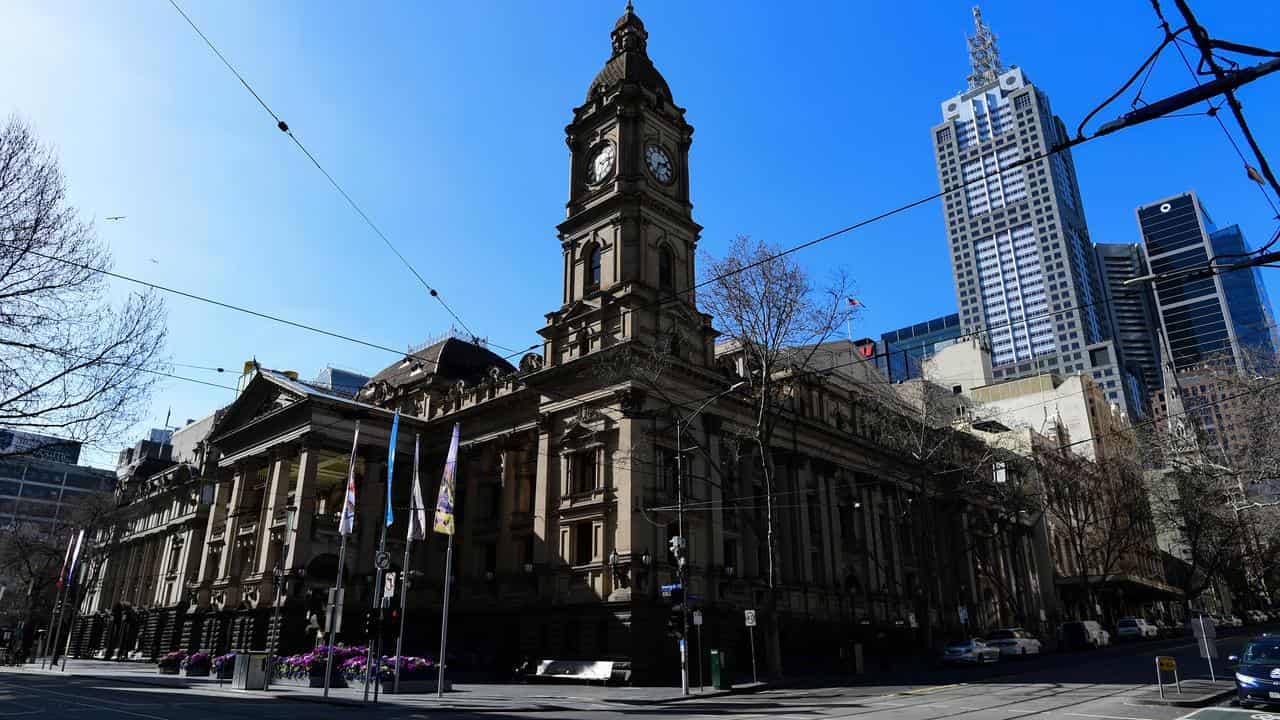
(1233, 621)
(970, 650)
(1135, 628)
(1082, 634)
(1254, 617)
(1257, 668)
(1014, 641)
(1169, 629)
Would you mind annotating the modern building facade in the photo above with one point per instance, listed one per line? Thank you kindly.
(1134, 320)
(40, 481)
(1024, 268)
(1206, 318)
(901, 351)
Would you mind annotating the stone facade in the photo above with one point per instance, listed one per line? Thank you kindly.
(567, 474)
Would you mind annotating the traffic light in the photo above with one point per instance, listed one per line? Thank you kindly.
(675, 622)
(370, 623)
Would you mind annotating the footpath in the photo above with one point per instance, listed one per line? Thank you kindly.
(506, 696)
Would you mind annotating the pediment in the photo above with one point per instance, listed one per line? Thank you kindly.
(262, 397)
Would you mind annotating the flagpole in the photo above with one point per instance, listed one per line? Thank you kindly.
(444, 619)
(71, 592)
(379, 599)
(55, 626)
(338, 585)
(55, 614)
(404, 569)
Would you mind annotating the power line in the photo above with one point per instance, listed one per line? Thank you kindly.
(284, 127)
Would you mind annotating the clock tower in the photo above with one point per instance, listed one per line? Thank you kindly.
(629, 239)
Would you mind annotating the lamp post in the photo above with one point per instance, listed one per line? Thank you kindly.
(278, 574)
(681, 546)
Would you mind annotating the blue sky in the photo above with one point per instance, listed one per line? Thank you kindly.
(445, 121)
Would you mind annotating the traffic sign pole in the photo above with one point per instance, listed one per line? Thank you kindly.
(697, 622)
(750, 618)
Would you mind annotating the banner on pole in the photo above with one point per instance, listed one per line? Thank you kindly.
(391, 465)
(417, 508)
(66, 560)
(75, 557)
(444, 502)
(348, 521)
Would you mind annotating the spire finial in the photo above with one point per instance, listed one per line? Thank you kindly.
(984, 55)
(630, 8)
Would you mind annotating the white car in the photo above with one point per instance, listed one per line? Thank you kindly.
(1136, 629)
(1013, 641)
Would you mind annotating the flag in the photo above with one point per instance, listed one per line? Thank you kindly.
(75, 557)
(417, 508)
(391, 465)
(348, 521)
(444, 503)
(66, 559)
(854, 302)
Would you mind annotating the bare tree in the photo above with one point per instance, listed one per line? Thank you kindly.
(1100, 511)
(72, 364)
(766, 305)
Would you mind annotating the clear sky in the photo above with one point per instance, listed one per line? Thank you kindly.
(445, 121)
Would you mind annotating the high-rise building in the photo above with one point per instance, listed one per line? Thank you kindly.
(901, 351)
(1132, 314)
(1206, 318)
(40, 481)
(1024, 268)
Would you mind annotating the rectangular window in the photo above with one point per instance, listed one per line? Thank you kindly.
(583, 471)
(582, 544)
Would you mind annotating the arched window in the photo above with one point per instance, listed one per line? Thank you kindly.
(666, 274)
(593, 266)
(590, 267)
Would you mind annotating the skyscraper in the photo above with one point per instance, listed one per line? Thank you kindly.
(1024, 267)
(1206, 318)
(1132, 313)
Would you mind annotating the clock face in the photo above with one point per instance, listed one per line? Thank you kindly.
(601, 164)
(659, 163)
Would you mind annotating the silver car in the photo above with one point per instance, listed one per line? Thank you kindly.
(970, 651)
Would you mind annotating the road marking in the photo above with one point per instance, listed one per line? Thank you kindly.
(112, 709)
(928, 690)
(1106, 716)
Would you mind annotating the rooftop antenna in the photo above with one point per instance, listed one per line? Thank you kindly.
(984, 55)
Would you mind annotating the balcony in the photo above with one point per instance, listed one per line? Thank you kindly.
(247, 529)
(594, 499)
(219, 533)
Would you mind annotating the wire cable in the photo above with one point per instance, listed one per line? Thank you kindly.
(284, 127)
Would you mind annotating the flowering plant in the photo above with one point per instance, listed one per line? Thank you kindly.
(312, 662)
(173, 659)
(222, 661)
(197, 661)
(412, 667)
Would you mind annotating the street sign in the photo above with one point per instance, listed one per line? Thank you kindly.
(750, 617)
(964, 615)
(1166, 663)
(382, 560)
(697, 617)
(667, 589)
(389, 585)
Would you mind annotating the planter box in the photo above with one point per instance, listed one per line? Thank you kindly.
(227, 672)
(314, 681)
(202, 671)
(169, 670)
(427, 685)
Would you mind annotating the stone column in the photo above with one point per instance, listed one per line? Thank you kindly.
(217, 515)
(274, 500)
(803, 475)
(238, 482)
(511, 457)
(298, 540)
(542, 511)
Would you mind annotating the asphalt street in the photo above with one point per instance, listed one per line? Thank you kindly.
(1097, 685)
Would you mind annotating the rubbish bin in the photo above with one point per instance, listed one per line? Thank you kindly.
(251, 670)
(720, 671)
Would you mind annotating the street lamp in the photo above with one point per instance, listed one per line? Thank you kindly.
(681, 548)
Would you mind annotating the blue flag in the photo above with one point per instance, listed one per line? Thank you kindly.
(391, 465)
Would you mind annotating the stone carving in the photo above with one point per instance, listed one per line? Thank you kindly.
(531, 362)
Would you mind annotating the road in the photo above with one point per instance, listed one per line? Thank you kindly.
(1097, 685)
